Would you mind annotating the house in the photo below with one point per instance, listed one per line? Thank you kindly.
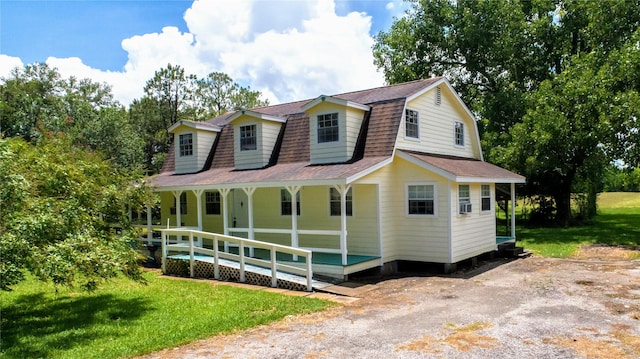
(364, 179)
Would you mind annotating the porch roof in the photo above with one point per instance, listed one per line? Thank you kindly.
(278, 175)
(460, 169)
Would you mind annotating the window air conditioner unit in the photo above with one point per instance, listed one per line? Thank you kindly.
(465, 208)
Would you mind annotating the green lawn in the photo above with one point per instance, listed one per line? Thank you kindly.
(124, 318)
(617, 223)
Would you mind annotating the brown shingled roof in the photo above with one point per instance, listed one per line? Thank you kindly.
(293, 160)
(461, 168)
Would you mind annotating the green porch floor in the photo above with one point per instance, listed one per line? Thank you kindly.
(502, 239)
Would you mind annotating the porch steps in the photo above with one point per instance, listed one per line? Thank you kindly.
(510, 250)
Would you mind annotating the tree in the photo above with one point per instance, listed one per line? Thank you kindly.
(509, 58)
(172, 95)
(36, 100)
(58, 202)
(217, 94)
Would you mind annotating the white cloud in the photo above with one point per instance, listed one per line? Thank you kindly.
(289, 50)
(8, 63)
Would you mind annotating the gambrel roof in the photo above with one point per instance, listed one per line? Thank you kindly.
(290, 160)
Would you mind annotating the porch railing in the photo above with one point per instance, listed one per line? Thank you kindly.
(193, 247)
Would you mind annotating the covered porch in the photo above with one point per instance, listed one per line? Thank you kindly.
(341, 242)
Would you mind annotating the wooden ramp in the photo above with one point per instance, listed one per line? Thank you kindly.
(229, 270)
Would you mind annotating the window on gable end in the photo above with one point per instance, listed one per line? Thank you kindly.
(328, 130)
(459, 134)
(412, 124)
(212, 202)
(248, 138)
(285, 203)
(185, 142)
(334, 202)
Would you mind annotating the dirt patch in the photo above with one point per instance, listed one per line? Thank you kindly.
(535, 307)
(607, 252)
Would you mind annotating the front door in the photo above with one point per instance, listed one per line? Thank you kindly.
(239, 211)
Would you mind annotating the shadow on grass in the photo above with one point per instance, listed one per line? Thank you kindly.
(36, 325)
(611, 228)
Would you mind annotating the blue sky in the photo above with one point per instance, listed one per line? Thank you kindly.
(270, 45)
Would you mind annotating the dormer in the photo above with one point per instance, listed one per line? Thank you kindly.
(192, 144)
(255, 136)
(334, 125)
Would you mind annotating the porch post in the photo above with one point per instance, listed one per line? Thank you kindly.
(198, 193)
(176, 195)
(224, 192)
(513, 210)
(249, 191)
(343, 189)
(149, 224)
(293, 191)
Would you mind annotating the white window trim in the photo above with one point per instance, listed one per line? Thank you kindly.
(193, 144)
(486, 211)
(240, 136)
(317, 129)
(460, 198)
(455, 139)
(435, 199)
(353, 207)
(409, 138)
(206, 202)
(299, 206)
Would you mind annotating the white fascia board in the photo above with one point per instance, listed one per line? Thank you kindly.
(462, 104)
(369, 170)
(193, 124)
(254, 114)
(336, 101)
(488, 180)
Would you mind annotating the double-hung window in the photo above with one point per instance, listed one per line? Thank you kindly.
(334, 202)
(459, 134)
(212, 202)
(411, 124)
(285, 203)
(485, 197)
(183, 204)
(464, 198)
(421, 199)
(185, 142)
(328, 128)
(248, 138)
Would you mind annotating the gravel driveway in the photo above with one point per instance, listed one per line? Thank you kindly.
(527, 308)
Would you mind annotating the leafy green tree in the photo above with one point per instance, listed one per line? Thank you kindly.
(217, 94)
(57, 204)
(509, 58)
(172, 95)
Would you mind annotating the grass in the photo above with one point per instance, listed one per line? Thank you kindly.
(617, 223)
(124, 318)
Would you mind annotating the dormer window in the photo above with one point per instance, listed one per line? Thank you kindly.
(248, 138)
(186, 144)
(411, 124)
(459, 134)
(328, 129)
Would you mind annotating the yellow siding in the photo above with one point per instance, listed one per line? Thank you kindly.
(404, 237)
(349, 122)
(472, 233)
(436, 126)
